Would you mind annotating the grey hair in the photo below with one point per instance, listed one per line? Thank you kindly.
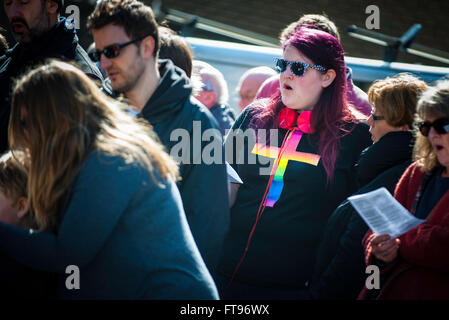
(212, 80)
(435, 100)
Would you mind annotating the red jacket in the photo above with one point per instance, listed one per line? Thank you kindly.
(421, 270)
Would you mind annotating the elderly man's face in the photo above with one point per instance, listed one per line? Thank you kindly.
(28, 18)
(248, 90)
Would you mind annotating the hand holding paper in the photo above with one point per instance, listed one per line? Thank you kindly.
(385, 248)
(383, 213)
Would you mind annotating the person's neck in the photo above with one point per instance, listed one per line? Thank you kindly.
(445, 173)
(139, 95)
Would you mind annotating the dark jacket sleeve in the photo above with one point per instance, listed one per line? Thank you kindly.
(233, 151)
(105, 192)
(204, 193)
(402, 193)
(339, 271)
(90, 68)
(92, 214)
(426, 244)
(340, 268)
(18, 281)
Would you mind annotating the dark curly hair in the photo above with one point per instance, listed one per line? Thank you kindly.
(135, 17)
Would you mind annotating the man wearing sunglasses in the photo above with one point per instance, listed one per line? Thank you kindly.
(40, 34)
(127, 44)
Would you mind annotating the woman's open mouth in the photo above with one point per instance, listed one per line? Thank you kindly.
(287, 87)
(18, 27)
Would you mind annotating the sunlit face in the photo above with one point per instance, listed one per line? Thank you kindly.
(440, 143)
(28, 18)
(378, 128)
(301, 93)
(8, 213)
(126, 70)
(207, 98)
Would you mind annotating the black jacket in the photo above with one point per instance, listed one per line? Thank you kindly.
(280, 258)
(224, 115)
(59, 42)
(21, 282)
(203, 186)
(339, 271)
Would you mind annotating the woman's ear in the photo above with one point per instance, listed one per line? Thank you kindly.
(328, 78)
(22, 206)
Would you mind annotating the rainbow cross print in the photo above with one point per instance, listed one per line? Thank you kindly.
(289, 153)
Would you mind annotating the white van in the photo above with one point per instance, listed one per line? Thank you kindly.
(233, 59)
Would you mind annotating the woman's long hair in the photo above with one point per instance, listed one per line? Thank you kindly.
(331, 113)
(58, 116)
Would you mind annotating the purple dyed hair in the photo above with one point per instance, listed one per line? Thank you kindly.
(331, 114)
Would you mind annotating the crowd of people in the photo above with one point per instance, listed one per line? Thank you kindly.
(104, 168)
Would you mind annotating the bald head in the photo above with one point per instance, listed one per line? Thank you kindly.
(250, 83)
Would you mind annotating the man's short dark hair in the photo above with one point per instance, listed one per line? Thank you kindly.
(318, 21)
(176, 49)
(136, 18)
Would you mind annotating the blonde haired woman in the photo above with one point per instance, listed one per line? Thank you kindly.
(103, 194)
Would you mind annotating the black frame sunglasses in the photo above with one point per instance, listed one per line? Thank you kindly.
(298, 68)
(440, 125)
(376, 118)
(112, 51)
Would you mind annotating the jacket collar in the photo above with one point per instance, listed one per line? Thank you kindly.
(392, 149)
(56, 41)
(173, 90)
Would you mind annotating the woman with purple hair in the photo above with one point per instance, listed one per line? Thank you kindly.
(293, 180)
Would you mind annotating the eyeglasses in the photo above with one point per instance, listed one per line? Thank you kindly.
(375, 118)
(298, 68)
(441, 126)
(112, 51)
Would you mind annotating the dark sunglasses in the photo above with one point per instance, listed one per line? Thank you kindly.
(375, 118)
(441, 126)
(298, 68)
(112, 51)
